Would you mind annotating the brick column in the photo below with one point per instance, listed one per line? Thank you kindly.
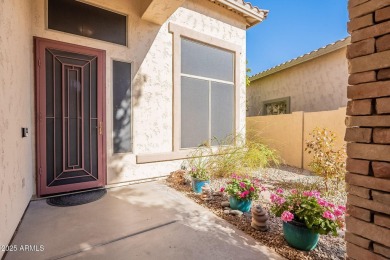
(368, 130)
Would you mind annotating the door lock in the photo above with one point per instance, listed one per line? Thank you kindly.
(100, 128)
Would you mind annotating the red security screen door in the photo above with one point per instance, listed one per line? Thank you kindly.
(70, 117)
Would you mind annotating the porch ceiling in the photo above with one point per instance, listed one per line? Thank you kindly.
(158, 11)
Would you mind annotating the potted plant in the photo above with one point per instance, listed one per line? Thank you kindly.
(200, 176)
(305, 216)
(242, 191)
(198, 165)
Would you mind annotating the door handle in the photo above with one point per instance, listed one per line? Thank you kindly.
(100, 128)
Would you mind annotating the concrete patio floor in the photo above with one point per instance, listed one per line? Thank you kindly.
(142, 221)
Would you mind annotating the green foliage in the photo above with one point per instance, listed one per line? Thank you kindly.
(199, 163)
(230, 155)
(248, 70)
(243, 188)
(328, 162)
(242, 158)
(309, 208)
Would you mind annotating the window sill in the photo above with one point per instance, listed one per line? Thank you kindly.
(162, 157)
(171, 156)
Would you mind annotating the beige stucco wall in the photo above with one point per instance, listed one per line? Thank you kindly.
(16, 103)
(315, 85)
(150, 51)
(287, 133)
(282, 133)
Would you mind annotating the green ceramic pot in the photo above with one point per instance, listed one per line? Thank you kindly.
(299, 236)
(242, 205)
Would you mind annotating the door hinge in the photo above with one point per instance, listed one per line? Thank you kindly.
(39, 62)
(40, 170)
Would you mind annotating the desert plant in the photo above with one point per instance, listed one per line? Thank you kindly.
(259, 155)
(328, 162)
(243, 158)
(198, 163)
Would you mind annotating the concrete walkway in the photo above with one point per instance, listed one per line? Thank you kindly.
(142, 221)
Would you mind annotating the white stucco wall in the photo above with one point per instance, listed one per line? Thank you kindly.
(150, 51)
(16, 111)
(315, 85)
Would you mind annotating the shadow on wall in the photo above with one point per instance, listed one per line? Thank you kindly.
(130, 98)
(124, 99)
(128, 92)
(122, 125)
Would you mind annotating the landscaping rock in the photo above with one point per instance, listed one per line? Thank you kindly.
(236, 212)
(247, 215)
(225, 204)
(206, 192)
(285, 177)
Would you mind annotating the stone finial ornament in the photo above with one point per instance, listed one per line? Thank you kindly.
(259, 218)
(206, 192)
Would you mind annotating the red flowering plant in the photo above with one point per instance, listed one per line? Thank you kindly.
(243, 188)
(308, 207)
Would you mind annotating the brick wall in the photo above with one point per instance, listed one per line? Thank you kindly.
(368, 132)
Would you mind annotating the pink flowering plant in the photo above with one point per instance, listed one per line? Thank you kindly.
(243, 188)
(310, 208)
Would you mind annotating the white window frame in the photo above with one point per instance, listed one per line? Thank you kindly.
(180, 32)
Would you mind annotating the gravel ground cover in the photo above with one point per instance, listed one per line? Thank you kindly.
(329, 247)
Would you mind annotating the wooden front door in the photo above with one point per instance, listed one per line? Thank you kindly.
(70, 119)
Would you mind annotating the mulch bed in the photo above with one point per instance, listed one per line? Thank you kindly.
(328, 247)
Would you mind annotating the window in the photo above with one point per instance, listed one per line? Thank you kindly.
(86, 20)
(122, 107)
(207, 94)
(276, 106)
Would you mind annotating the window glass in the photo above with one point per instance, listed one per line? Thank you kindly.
(194, 112)
(276, 106)
(207, 94)
(222, 111)
(206, 61)
(86, 20)
(122, 107)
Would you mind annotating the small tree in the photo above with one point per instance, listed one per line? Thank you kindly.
(248, 82)
(248, 70)
(328, 162)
